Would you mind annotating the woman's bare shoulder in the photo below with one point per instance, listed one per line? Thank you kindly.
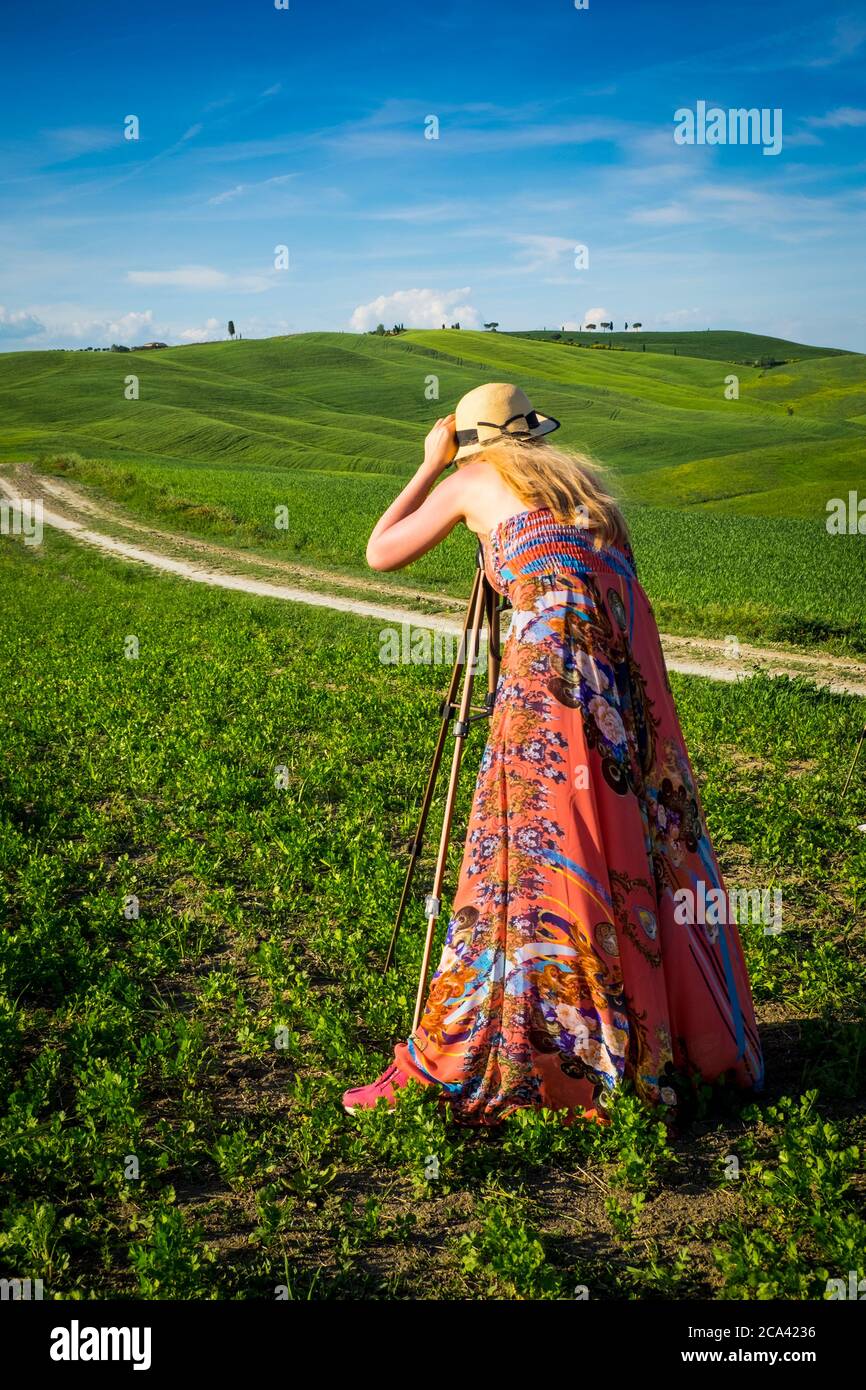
(485, 496)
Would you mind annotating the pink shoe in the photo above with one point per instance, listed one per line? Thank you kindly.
(365, 1097)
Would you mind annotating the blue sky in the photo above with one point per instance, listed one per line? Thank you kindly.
(305, 127)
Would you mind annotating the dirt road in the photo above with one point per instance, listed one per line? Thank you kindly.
(67, 508)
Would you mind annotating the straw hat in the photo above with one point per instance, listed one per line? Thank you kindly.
(494, 410)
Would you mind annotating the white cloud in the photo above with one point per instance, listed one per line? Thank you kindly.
(841, 117)
(135, 326)
(19, 324)
(188, 277)
(210, 329)
(847, 39)
(669, 215)
(241, 188)
(200, 277)
(802, 137)
(422, 212)
(76, 140)
(680, 318)
(544, 252)
(596, 316)
(131, 327)
(417, 309)
(77, 325)
(71, 324)
(386, 139)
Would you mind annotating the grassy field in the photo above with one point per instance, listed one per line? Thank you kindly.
(727, 498)
(191, 976)
(751, 349)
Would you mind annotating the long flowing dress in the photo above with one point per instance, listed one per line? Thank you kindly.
(567, 965)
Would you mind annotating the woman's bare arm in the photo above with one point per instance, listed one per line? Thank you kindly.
(419, 519)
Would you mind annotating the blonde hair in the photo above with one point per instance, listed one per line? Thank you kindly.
(567, 483)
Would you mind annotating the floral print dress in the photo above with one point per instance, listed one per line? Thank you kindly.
(566, 966)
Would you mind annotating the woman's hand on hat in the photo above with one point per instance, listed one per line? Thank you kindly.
(440, 446)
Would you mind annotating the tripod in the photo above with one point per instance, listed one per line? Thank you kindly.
(485, 605)
(856, 756)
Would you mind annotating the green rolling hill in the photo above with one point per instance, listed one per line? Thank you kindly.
(330, 423)
(335, 402)
(717, 345)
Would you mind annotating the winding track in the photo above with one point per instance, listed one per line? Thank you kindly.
(72, 511)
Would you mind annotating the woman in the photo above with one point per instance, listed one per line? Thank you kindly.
(577, 954)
